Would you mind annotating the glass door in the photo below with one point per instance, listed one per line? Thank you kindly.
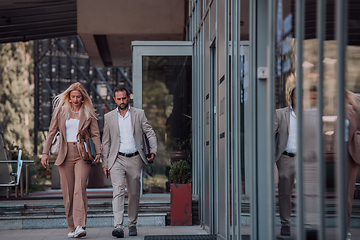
(162, 88)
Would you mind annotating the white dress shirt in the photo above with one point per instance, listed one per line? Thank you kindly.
(127, 141)
(292, 140)
(72, 128)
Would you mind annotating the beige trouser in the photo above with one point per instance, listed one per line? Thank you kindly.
(74, 172)
(286, 167)
(126, 169)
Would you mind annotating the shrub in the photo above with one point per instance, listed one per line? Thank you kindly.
(180, 172)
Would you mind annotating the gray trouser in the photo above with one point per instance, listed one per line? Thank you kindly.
(286, 167)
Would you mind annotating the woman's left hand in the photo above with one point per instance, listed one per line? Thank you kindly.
(97, 158)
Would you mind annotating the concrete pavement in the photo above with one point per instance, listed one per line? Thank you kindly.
(105, 233)
(97, 233)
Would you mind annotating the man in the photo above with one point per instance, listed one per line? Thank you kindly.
(123, 157)
(285, 126)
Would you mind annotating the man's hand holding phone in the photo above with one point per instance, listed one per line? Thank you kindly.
(106, 171)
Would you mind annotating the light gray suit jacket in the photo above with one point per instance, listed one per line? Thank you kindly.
(282, 123)
(111, 135)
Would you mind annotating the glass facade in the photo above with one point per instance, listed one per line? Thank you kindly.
(309, 48)
(248, 57)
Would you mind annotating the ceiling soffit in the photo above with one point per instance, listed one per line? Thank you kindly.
(108, 27)
(24, 20)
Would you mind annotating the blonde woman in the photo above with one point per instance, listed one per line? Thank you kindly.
(73, 111)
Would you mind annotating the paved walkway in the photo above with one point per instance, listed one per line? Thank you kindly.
(96, 233)
(105, 233)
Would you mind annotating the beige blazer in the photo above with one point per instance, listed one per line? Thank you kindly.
(111, 135)
(58, 124)
(353, 114)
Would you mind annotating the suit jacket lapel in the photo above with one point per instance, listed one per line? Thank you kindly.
(116, 122)
(82, 120)
(132, 115)
(287, 117)
(62, 127)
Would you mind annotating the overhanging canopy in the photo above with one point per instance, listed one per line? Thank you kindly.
(24, 20)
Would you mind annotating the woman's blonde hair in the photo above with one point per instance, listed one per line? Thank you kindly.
(61, 101)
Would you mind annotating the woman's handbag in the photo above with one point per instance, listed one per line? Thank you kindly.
(55, 144)
(146, 147)
(86, 146)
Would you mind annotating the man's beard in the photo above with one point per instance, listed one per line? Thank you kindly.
(125, 106)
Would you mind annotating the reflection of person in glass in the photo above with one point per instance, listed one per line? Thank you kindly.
(311, 167)
(123, 157)
(73, 111)
(285, 126)
(352, 136)
(313, 97)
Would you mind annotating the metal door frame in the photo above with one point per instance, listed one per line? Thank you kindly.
(153, 48)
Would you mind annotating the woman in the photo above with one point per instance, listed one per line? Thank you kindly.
(73, 111)
(353, 145)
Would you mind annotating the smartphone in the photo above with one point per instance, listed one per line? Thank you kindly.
(107, 173)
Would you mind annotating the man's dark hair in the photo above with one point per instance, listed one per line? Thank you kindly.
(120, 89)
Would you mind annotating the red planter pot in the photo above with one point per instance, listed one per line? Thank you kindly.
(180, 205)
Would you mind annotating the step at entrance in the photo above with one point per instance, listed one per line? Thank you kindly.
(40, 216)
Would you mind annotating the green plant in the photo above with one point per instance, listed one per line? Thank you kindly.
(180, 172)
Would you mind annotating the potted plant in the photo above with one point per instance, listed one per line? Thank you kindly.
(180, 149)
(180, 194)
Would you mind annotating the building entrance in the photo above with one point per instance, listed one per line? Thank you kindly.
(163, 88)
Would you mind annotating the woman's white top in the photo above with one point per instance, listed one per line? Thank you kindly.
(72, 128)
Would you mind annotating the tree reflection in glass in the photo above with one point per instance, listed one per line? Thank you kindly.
(167, 104)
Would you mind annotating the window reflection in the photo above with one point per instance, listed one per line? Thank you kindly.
(167, 103)
(285, 81)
